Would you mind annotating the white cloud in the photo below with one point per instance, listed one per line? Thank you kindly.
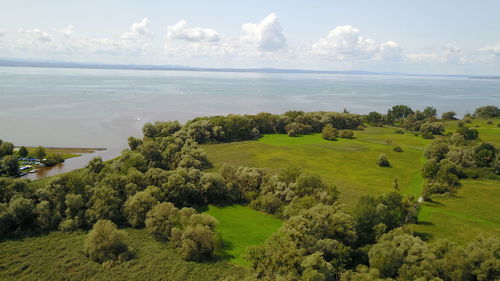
(345, 42)
(180, 31)
(138, 29)
(33, 35)
(449, 55)
(492, 50)
(389, 51)
(68, 30)
(266, 35)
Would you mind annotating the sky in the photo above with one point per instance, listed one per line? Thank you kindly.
(432, 37)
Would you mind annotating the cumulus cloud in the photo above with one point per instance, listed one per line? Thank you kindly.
(180, 31)
(492, 50)
(68, 30)
(266, 35)
(449, 55)
(138, 29)
(345, 42)
(33, 35)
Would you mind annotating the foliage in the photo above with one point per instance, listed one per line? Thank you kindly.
(383, 161)
(105, 242)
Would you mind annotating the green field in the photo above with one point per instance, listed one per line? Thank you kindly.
(59, 256)
(475, 210)
(241, 227)
(348, 163)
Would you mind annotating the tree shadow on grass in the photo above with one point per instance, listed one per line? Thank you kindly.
(424, 236)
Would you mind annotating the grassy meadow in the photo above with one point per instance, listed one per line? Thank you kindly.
(59, 256)
(348, 163)
(240, 227)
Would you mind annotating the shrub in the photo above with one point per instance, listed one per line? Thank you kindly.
(397, 148)
(399, 131)
(427, 135)
(448, 115)
(105, 243)
(161, 219)
(292, 133)
(329, 132)
(198, 243)
(489, 122)
(382, 160)
(346, 134)
(488, 111)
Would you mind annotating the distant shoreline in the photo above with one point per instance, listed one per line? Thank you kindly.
(74, 65)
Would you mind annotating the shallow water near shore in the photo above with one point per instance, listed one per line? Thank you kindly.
(102, 108)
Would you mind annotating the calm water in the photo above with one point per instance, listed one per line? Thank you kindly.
(101, 108)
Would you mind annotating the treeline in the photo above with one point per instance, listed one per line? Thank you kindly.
(246, 127)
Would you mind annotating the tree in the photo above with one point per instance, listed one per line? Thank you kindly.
(105, 242)
(137, 206)
(39, 153)
(47, 217)
(23, 152)
(382, 160)
(6, 148)
(161, 219)
(134, 143)
(374, 119)
(95, 165)
(398, 112)
(450, 115)
(429, 112)
(489, 111)
(10, 165)
(329, 132)
(468, 133)
(21, 210)
(198, 243)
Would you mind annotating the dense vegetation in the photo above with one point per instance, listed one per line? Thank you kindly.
(162, 178)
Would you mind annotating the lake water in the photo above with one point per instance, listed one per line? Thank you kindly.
(101, 108)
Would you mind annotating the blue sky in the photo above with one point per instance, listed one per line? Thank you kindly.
(456, 37)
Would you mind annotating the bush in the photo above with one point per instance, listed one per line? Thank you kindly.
(382, 160)
(487, 111)
(329, 132)
(399, 131)
(427, 135)
(448, 115)
(292, 133)
(198, 243)
(346, 134)
(397, 148)
(489, 122)
(105, 243)
(161, 219)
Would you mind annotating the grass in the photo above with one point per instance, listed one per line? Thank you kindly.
(240, 227)
(59, 256)
(348, 163)
(473, 211)
(66, 152)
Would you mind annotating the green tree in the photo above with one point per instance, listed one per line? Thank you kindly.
(489, 111)
(450, 115)
(134, 143)
(161, 219)
(21, 210)
(198, 243)
(23, 152)
(39, 152)
(95, 165)
(137, 206)
(10, 165)
(105, 242)
(6, 148)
